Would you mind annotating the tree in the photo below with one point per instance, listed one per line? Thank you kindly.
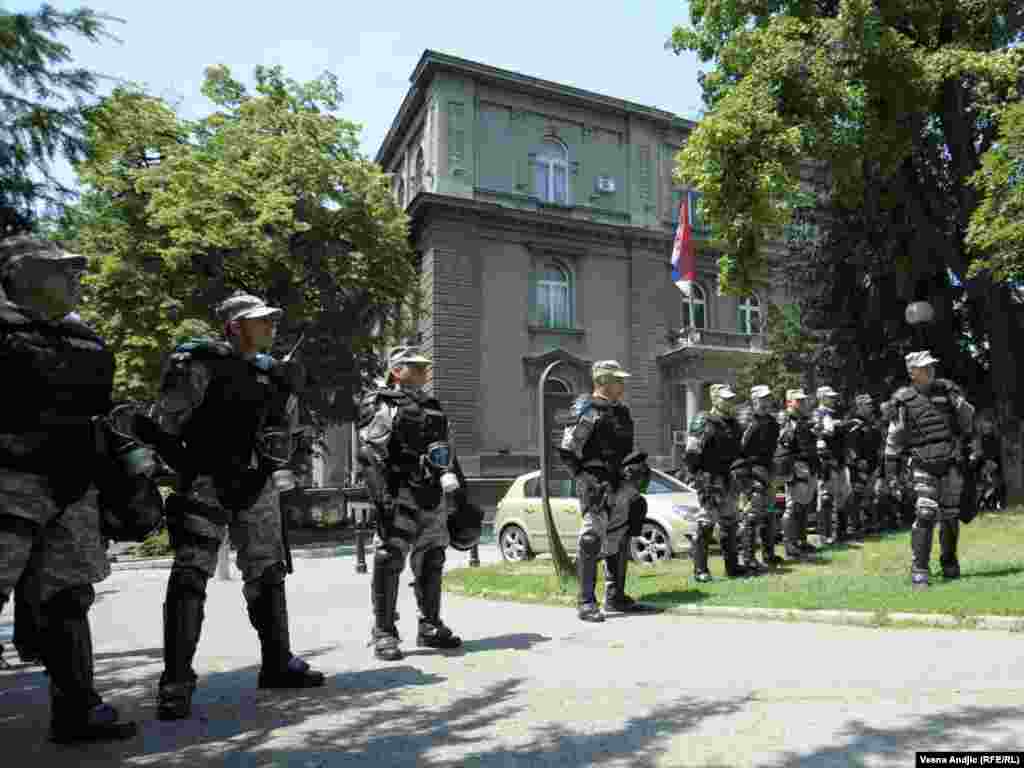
(896, 103)
(268, 194)
(792, 355)
(41, 108)
(996, 230)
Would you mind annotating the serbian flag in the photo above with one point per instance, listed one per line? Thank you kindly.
(684, 256)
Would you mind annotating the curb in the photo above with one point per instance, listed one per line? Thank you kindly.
(146, 563)
(834, 617)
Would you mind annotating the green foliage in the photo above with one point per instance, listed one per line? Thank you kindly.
(792, 355)
(157, 545)
(268, 194)
(861, 86)
(42, 103)
(996, 231)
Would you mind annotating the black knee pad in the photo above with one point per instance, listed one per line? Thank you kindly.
(71, 603)
(433, 559)
(388, 557)
(187, 581)
(21, 527)
(590, 544)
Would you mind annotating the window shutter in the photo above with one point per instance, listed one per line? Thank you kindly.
(533, 314)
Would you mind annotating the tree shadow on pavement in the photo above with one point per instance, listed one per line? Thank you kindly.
(674, 597)
(967, 728)
(523, 641)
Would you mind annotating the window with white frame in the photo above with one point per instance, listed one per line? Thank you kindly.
(749, 320)
(400, 191)
(695, 309)
(553, 292)
(551, 172)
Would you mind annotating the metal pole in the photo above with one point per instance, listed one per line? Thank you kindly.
(361, 540)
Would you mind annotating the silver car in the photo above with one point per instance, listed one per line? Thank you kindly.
(519, 520)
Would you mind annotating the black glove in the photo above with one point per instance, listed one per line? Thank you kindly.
(171, 448)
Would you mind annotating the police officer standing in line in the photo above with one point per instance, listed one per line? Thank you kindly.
(889, 503)
(597, 447)
(796, 461)
(212, 424)
(753, 473)
(864, 444)
(712, 447)
(934, 424)
(409, 464)
(53, 448)
(833, 487)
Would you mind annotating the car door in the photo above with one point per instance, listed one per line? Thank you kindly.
(533, 515)
(566, 510)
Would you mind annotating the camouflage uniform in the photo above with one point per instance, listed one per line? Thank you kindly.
(398, 426)
(597, 446)
(796, 461)
(712, 446)
(833, 477)
(210, 425)
(931, 424)
(864, 444)
(50, 532)
(753, 474)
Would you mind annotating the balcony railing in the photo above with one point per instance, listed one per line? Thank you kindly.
(707, 338)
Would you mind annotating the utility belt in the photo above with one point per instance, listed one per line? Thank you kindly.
(66, 461)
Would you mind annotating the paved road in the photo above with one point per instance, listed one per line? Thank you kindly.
(533, 687)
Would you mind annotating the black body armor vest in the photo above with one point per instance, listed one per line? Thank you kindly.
(931, 422)
(612, 438)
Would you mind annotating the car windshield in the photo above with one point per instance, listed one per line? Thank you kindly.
(664, 484)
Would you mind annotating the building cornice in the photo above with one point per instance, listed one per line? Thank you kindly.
(432, 62)
(428, 207)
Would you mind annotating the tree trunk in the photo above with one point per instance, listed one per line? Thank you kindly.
(1005, 372)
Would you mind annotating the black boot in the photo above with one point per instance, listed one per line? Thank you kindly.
(949, 533)
(433, 633)
(921, 550)
(615, 598)
(802, 543)
(824, 520)
(183, 623)
(768, 536)
(586, 571)
(839, 523)
(699, 552)
(730, 554)
(77, 713)
(747, 546)
(384, 592)
(26, 638)
(268, 613)
(791, 535)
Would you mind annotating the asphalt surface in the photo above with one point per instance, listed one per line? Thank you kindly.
(533, 686)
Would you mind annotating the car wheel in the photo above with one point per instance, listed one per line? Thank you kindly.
(651, 546)
(514, 546)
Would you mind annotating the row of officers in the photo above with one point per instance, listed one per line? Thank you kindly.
(78, 470)
(856, 466)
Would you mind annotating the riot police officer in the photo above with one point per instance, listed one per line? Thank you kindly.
(833, 483)
(58, 483)
(597, 447)
(991, 486)
(223, 417)
(864, 446)
(753, 473)
(933, 423)
(796, 461)
(712, 446)
(410, 467)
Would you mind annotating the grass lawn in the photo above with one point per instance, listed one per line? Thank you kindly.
(871, 575)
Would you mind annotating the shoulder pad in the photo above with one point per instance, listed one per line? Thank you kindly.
(904, 394)
(582, 404)
(948, 385)
(204, 348)
(389, 393)
(13, 314)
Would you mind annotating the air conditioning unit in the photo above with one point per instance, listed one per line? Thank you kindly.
(678, 437)
(605, 184)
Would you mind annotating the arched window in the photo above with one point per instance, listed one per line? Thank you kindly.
(749, 320)
(551, 172)
(695, 309)
(400, 191)
(417, 183)
(554, 297)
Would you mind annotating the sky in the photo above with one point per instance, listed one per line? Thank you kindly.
(611, 47)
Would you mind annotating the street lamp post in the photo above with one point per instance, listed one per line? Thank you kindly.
(919, 315)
